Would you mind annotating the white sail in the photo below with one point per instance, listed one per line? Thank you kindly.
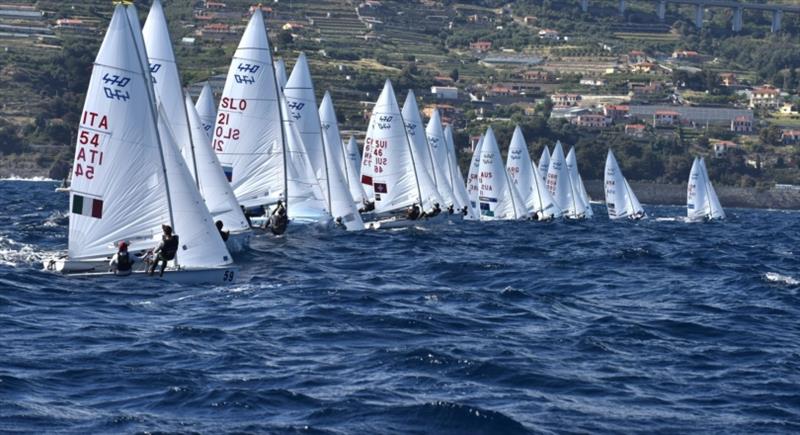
(214, 187)
(561, 185)
(248, 138)
(620, 200)
(544, 163)
(497, 196)
(472, 178)
(207, 109)
(117, 174)
(280, 72)
(527, 179)
(305, 201)
(302, 103)
(166, 80)
(701, 198)
(579, 191)
(423, 158)
(353, 161)
(388, 166)
(456, 178)
(438, 147)
(200, 242)
(715, 208)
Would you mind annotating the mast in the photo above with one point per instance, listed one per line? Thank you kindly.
(153, 112)
(278, 93)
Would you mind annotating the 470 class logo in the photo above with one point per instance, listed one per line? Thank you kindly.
(385, 122)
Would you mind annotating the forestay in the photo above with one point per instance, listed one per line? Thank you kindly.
(247, 136)
(497, 196)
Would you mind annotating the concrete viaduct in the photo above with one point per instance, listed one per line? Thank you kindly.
(700, 6)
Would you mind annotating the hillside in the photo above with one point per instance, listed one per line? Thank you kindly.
(48, 47)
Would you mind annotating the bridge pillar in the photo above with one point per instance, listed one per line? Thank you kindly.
(776, 20)
(737, 20)
(699, 10)
(661, 10)
(622, 7)
(585, 5)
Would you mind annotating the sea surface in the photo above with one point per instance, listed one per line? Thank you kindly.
(656, 326)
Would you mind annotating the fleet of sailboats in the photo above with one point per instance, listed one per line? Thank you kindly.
(148, 157)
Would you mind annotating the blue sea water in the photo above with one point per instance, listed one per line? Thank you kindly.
(517, 327)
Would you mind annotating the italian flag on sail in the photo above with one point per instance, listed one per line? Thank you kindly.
(87, 206)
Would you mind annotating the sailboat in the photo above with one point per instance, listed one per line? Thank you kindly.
(192, 140)
(577, 182)
(460, 195)
(497, 197)
(325, 156)
(562, 186)
(544, 163)
(424, 159)
(389, 170)
(207, 109)
(441, 165)
(473, 186)
(528, 180)
(128, 179)
(621, 202)
(702, 202)
(347, 159)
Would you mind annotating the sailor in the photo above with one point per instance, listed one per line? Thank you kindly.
(368, 206)
(166, 249)
(122, 262)
(413, 213)
(278, 221)
(339, 222)
(537, 216)
(450, 209)
(223, 234)
(638, 215)
(465, 211)
(436, 210)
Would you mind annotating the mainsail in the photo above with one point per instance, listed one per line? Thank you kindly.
(338, 154)
(620, 200)
(497, 196)
(438, 147)
(207, 109)
(353, 161)
(248, 137)
(577, 184)
(527, 179)
(701, 198)
(544, 163)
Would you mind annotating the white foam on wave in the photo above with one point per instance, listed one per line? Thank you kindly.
(669, 219)
(14, 254)
(37, 179)
(777, 277)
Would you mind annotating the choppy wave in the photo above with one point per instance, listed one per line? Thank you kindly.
(651, 326)
(37, 179)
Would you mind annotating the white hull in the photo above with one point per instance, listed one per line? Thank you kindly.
(402, 222)
(99, 269)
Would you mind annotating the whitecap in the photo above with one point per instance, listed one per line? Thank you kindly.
(37, 179)
(777, 277)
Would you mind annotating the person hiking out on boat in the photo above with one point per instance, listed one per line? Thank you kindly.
(465, 211)
(368, 206)
(413, 213)
(223, 234)
(278, 221)
(166, 250)
(434, 212)
(450, 209)
(122, 262)
(339, 222)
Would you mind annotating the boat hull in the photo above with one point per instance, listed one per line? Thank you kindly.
(98, 268)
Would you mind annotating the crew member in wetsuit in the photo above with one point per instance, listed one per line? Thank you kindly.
(166, 249)
(223, 234)
(450, 209)
(465, 211)
(413, 213)
(279, 220)
(122, 262)
(436, 210)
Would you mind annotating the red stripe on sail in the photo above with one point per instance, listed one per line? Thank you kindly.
(97, 208)
(366, 179)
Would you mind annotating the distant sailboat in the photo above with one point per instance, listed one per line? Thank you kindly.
(191, 139)
(562, 186)
(326, 156)
(424, 160)
(473, 186)
(621, 202)
(389, 170)
(577, 183)
(128, 179)
(702, 202)
(438, 147)
(456, 178)
(498, 198)
(528, 181)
